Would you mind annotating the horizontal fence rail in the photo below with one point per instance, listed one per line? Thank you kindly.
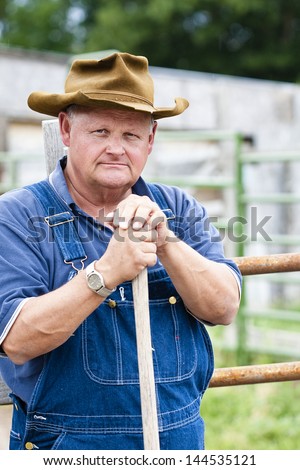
(285, 262)
(256, 374)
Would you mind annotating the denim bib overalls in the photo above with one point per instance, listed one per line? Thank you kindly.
(87, 395)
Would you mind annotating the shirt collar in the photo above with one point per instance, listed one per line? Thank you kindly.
(58, 181)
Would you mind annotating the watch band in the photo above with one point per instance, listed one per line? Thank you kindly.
(96, 282)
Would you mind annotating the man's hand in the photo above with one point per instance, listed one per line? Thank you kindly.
(140, 213)
(140, 229)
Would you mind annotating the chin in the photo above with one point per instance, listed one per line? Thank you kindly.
(116, 183)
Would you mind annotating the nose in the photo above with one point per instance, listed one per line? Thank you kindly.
(115, 146)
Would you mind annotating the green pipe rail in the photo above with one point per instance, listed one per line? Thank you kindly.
(9, 163)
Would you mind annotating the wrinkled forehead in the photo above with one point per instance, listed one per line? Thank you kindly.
(135, 118)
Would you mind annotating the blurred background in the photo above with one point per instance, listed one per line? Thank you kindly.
(236, 149)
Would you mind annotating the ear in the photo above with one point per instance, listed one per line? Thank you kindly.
(65, 127)
(151, 137)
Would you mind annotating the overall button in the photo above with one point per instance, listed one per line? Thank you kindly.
(172, 300)
(112, 303)
(29, 446)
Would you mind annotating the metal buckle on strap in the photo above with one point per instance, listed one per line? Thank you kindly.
(60, 222)
(73, 265)
(169, 214)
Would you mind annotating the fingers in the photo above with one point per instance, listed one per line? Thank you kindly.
(137, 212)
(130, 251)
(140, 228)
(156, 219)
(124, 259)
(149, 253)
(136, 236)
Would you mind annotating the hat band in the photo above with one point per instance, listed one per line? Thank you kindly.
(118, 96)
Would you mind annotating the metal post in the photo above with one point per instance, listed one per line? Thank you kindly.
(278, 263)
(255, 374)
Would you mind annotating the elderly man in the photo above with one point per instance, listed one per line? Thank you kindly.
(70, 245)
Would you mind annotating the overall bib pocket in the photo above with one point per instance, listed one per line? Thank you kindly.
(111, 357)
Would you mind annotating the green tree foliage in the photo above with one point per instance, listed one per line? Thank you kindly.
(52, 25)
(259, 39)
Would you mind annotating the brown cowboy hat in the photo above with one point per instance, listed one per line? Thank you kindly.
(120, 80)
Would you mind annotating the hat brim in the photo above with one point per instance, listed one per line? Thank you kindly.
(53, 104)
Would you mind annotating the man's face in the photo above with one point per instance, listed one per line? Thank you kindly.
(107, 148)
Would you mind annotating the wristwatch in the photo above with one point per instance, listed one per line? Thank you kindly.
(95, 281)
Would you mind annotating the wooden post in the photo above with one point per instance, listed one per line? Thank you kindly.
(53, 150)
(53, 145)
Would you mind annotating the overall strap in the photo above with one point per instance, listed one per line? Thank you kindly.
(160, 199)
(61, 220)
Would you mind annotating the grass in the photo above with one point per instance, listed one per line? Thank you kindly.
(252, 417)
(263, 416)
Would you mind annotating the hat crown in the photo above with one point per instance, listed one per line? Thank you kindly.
(119, 81)
(119, 72)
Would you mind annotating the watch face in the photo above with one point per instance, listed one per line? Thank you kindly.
(95, 282)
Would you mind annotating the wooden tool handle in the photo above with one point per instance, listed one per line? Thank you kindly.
(145, 361)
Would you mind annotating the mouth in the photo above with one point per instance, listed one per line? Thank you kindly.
(113, 164)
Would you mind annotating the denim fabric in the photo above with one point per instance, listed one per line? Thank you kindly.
(87, 394)
(96, 405)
